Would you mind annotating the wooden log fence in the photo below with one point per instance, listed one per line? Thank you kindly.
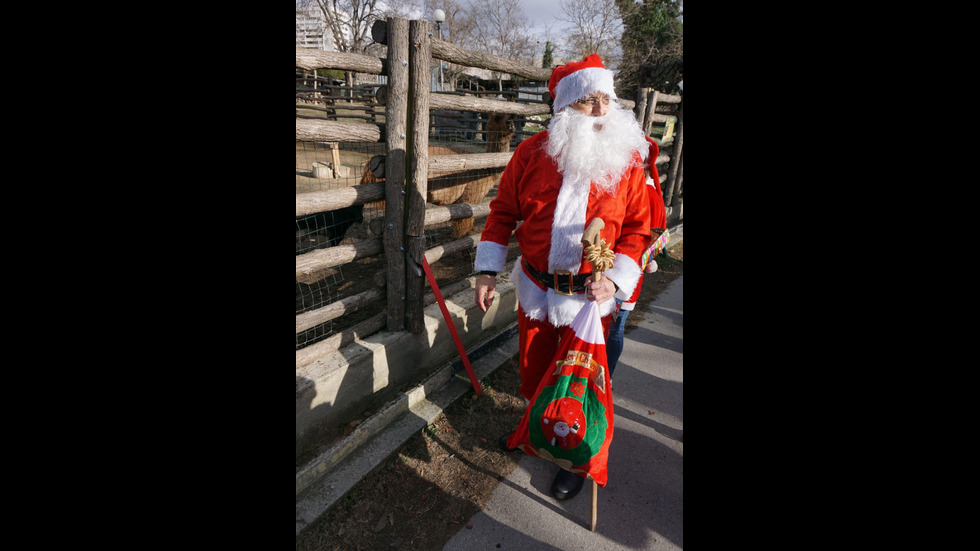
(433, 215)
(676, 169)
(646, 103)
(407, 167)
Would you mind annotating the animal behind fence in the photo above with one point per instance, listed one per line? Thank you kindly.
(463, 186)
(326, 229)
(500, 132)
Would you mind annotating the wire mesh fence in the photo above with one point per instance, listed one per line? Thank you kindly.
(322, 166)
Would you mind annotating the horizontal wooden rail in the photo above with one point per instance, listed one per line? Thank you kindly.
(333, 199)
(310, 266)
(461, 244)
(667, 98)
(309, 58)
(344, 117)
(366, 107)
(437, 215)
(454, 102)
(454, 54)
(318, 130)
(334, 310)
(440, 164)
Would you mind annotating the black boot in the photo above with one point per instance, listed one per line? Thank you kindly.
(503, 441)
(566, 484)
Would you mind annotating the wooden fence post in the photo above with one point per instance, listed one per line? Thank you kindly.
(651, 108)
(641, 104)
(396, 113)
(673, 190)
(680, 179)
(419, 61)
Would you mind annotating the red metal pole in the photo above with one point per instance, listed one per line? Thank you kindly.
(452, 327)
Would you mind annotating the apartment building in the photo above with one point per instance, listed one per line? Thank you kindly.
(312, 30)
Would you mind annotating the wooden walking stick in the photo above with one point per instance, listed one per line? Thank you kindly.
(595, 502)
(597, 252)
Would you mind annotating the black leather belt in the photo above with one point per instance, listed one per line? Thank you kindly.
(562, 281)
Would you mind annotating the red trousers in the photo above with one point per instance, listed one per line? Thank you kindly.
(538, 342)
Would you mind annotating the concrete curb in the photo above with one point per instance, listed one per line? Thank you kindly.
(676, 235)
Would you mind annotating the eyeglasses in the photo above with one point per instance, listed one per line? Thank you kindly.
(592, 101)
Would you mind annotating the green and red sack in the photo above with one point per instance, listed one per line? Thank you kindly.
(570, 419)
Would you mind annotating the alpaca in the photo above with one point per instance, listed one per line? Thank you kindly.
(466, 186)
(499, 133)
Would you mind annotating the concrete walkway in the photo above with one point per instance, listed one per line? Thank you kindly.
(642, 505)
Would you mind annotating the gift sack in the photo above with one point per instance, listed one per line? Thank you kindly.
(570, 419)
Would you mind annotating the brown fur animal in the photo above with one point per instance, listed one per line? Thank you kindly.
(467, 186)
(499, 133)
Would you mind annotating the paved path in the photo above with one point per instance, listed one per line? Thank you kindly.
(642, 505)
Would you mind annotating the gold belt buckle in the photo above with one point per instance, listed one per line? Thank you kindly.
(570, 284)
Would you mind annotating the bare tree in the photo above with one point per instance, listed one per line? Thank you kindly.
(501, 29)
(593, 27)
(350, 21)
(457, 29)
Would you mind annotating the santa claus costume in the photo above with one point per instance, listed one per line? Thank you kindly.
(549, 196)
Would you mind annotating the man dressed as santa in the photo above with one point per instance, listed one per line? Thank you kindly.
(588, 164)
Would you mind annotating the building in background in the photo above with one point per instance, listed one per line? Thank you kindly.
(312, 30)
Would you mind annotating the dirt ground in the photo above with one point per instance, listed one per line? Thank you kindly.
(426, 492)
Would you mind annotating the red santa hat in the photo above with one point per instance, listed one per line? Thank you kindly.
(579, 79)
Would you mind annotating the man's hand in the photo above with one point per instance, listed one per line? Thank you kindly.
(599, 291)
(485, 286)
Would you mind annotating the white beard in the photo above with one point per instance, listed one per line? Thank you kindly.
(584, 154)
(587, 157)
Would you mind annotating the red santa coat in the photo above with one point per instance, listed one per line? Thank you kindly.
(554, 219)
(658, 212)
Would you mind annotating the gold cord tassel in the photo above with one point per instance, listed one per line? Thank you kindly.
(596, 250)
(600, 255)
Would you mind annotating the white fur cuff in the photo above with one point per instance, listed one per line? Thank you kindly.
(490, 256)
(626, 273)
